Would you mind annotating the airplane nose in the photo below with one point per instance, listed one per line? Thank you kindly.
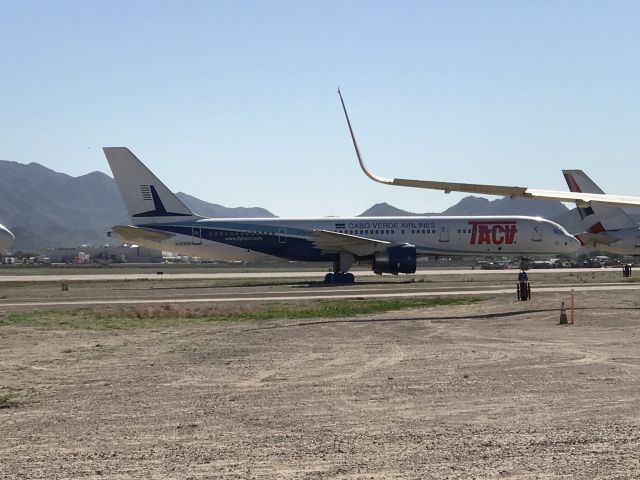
(6, 238)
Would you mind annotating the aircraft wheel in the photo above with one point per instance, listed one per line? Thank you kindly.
(329, 278)
(343, 278)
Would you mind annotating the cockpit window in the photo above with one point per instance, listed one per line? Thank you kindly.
(557, 231)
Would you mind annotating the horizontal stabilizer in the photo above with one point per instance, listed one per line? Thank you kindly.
(132, 234)
(596, 238)
(334, 242)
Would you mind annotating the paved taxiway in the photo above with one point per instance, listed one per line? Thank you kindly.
(253, 294)
(252, 275)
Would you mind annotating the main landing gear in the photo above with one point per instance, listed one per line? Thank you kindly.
(340, 276)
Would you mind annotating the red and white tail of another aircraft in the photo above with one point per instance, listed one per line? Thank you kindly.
(608, 228)
(582, 199)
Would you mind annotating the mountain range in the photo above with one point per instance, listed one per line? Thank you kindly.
(45, 208)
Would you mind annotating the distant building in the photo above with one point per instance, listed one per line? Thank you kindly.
(104, 254)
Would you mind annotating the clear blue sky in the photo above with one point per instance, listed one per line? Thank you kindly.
(235, 101)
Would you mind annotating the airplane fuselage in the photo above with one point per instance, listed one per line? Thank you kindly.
(293, 239)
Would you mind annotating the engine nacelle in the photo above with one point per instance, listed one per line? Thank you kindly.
(400, 259)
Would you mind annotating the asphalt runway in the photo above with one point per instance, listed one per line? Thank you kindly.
(255, 294)
(261, 275)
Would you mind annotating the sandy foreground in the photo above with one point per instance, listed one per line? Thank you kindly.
(489, 390)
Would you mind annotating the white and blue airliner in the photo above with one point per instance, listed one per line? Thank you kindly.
(161, 221)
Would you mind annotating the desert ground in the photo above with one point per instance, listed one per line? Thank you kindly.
(489, 389)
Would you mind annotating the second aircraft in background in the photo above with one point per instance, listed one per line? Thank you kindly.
(609, 229)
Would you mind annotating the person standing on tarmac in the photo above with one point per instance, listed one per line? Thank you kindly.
(523, 277)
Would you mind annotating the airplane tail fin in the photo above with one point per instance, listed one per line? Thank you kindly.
(596, 218)
(147, 199)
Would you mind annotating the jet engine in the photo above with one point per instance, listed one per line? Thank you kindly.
(400, 259)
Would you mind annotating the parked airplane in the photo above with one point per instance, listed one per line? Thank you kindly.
(6, 238)
(582, 199)
(389, 244)
(609, 229)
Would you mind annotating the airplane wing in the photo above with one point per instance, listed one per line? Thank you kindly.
(334, 242)
(581, 199)
(140, 233)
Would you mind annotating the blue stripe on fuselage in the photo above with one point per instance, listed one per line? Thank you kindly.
(271, 242)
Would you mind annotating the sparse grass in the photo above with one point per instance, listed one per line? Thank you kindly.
(179, 314)
(8, 400)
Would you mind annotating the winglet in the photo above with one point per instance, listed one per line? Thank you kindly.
(373, 177)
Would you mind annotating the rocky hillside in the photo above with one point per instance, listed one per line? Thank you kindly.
(44, 208)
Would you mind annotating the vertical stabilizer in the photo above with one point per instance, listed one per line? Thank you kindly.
(147, 199)
(596, 218)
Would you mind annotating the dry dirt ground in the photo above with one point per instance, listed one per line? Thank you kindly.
(488, 390)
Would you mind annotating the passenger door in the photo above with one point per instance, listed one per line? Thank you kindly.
(537, 233)
(282, 237)
(196, 233)
(444, 233)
